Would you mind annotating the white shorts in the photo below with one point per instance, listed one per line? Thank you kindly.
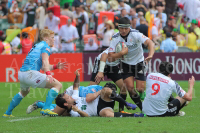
(31, 79)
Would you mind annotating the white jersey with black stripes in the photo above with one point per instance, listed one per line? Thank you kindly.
(115, 63)
(134, 43)
(159, 88)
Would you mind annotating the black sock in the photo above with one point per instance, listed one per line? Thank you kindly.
(121, 106)
(118, 98)
(171, 98)
(136, 99)
(118, 114)
(182, 105)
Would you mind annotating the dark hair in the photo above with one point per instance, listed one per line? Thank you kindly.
(66, 5)
(111, 86)
(124, 20)
(24, 35)
(50, 11)
(166, 68)
(60, 101)
(150, 5)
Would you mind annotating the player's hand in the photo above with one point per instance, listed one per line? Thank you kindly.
(62, 65)
(75, 108)
(191, 81)
(99, 77)
(124, 51)
(77, 72)
(148, 59)
(50, 78)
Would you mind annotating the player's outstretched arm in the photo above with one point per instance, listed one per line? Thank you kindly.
(188, 95)
(92, 96)
(82, 114)
(150, 45)
(100, 75)
(46, 66)
(77, 80)
(59, 65)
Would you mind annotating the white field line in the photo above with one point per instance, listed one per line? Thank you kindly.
(23, 119)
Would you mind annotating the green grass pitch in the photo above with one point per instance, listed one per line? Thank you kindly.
(36, 123)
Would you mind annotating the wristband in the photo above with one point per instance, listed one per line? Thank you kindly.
(55, 67)
(48, 73)
(102, 66)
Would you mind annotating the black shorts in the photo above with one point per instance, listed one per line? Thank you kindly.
(173, 109)
(103, 104)
(112, 72)
(137, 71)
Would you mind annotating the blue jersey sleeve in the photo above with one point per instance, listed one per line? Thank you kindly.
(83, 91)
(46, 49)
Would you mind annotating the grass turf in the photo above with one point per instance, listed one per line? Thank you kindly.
(34, 122)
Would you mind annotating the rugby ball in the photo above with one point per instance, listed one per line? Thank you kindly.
(119, 47)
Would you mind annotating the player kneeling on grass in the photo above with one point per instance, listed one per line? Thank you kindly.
(102, 67)
(159, 91)
(29, 75)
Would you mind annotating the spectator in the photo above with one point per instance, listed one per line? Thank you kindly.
(3, 10)
(116, 19)
(191, 38)
(108, 33)
(14, 44)
(77, 3)
(170, 6)
(171, 23)
(41, 3)
(139, 5)
(152, 8)
(195, 27)
(114, 7)
(133, 22)
(143, 28)
(91, 45)
(85, 21)
(164, 16)
(55, 8)
(98, 3)
(30, 10)
(68, 34)
(67, 12)
(191, 9)
(184, 25)
(168, 45)
(52, 22)
(133, 14)
(15, 13)
(178, 38)
(123, 5)
(101, 27)
(80, 20)
(40, 16)
(26, 43)
(140, 15)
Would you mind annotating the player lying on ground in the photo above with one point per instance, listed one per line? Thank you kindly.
(133, 62)
(30, 76)
(102, 67)
(159, 89)
(81, 100)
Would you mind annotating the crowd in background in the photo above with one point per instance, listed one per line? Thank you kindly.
(172, 24)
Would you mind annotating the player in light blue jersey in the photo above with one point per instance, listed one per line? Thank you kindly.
(83, 91)
(30, 76)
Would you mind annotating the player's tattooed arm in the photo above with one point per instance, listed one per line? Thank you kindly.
(77, 80)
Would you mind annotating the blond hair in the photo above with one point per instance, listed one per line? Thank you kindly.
(45, 33)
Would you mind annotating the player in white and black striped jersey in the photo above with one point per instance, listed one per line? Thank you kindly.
(110, 69)
(160, 86)
(133, 63)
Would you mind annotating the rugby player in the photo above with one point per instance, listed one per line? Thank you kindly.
(30, 76)
(133, 61)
